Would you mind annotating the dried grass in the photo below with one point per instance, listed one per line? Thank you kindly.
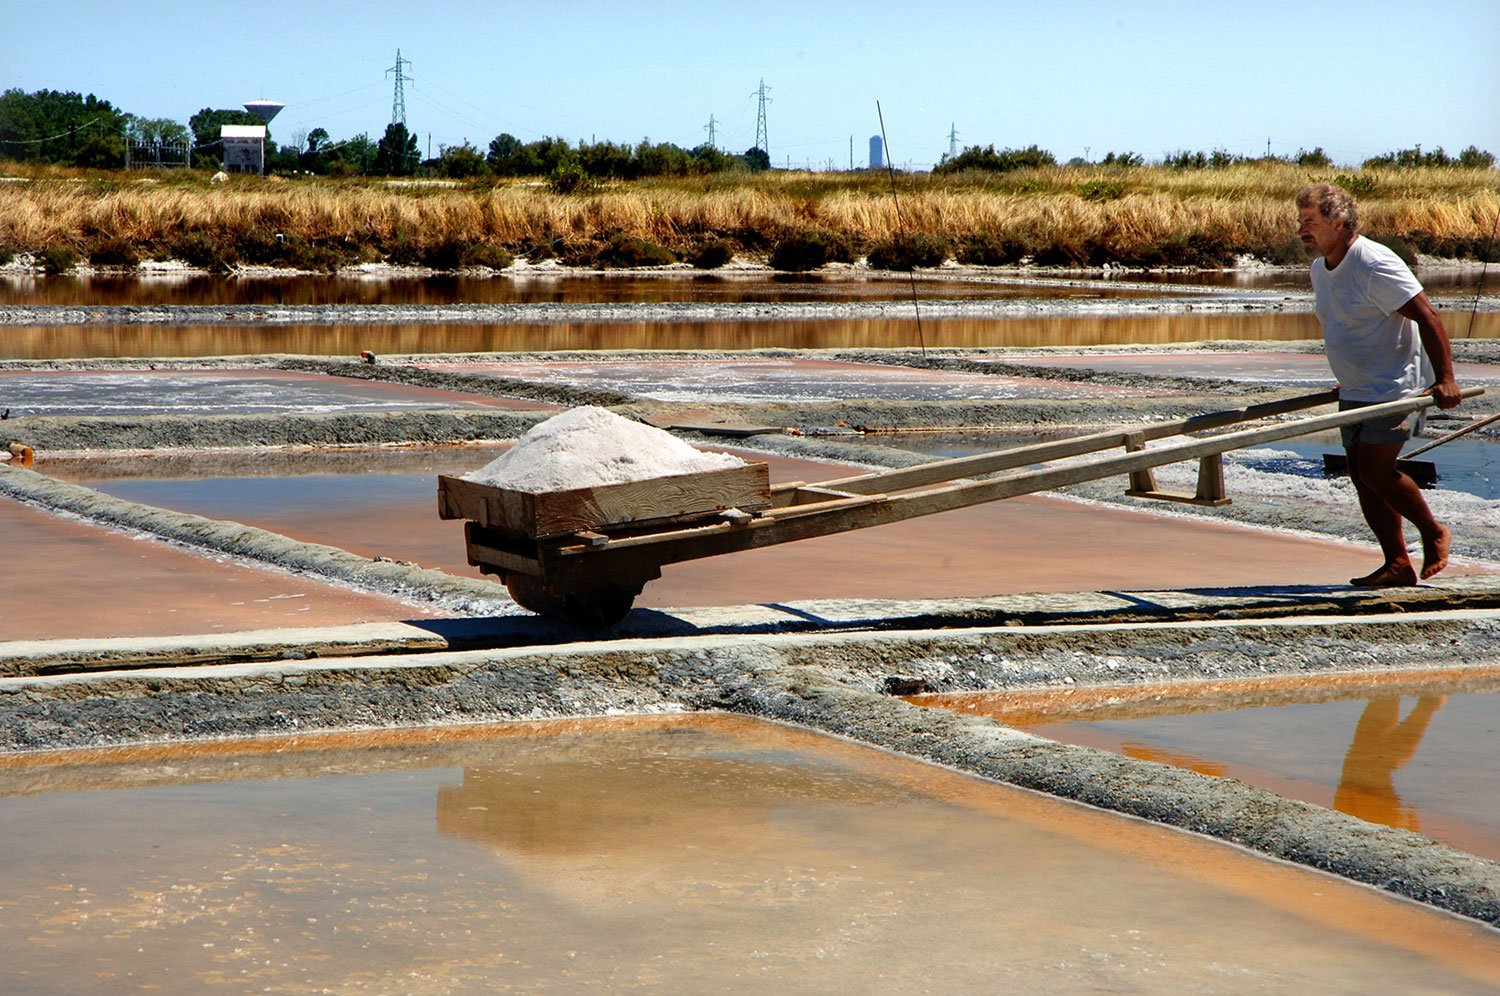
(1114, 211)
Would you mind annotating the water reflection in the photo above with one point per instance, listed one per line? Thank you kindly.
(529, 287)
(1338, 741)
(62, 342)
(1383, 742)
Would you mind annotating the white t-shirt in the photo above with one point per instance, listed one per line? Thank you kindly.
(1375, 354)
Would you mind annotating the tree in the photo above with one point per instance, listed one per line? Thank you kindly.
(350, 157)
(504, 154)
(149, 131)
(60, 127)
(757, 159)
(396, 154)
(989, 160)
(460, 161)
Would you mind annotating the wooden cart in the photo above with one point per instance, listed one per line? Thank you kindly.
(585, 555)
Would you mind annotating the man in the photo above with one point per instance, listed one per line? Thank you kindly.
(1380, 333)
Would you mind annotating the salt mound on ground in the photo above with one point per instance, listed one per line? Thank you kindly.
(587, 447)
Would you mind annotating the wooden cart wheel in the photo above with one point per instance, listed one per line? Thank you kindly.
(602, 604)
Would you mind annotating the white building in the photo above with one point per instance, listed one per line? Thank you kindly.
(244, 148)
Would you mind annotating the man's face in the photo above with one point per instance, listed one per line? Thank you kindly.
(1319, 235)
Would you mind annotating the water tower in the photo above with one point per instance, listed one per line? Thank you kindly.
(264, 109)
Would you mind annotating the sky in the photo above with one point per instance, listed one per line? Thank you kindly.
(1077, 77)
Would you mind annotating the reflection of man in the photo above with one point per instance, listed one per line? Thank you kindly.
(1377, 324)
(1383, 742)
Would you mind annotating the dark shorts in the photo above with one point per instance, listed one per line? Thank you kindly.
(1378, 431)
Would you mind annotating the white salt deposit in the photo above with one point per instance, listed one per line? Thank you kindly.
(588, 447)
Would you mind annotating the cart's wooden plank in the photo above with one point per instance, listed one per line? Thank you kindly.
(987, 463)
(807, 521)
(547, 514)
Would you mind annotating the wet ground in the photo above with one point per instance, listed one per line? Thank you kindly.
(1412, 751)
(763, 859)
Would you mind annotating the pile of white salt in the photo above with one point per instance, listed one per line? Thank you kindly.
(588, 447)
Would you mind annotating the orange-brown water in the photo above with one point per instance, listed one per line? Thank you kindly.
(334, 339)
(70, 579)
(1410, 750)
(687, 854)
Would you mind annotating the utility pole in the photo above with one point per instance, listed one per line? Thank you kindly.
(710, 129)
(762, 140)
(953, 141)
(851, 153)
(398, 102)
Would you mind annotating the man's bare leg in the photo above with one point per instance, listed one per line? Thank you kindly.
(1386, 496)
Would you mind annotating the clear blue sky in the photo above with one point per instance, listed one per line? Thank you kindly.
(1357, 77)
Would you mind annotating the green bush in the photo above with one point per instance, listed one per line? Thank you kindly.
(1101, 190)
(114, 252)
(808, 250)
(569, 178)
(445, 254)
(989, 160)
(202, 250)
(57, 259)
(402, 250)
(626, 252)
(711, 255)
(487, 254)
(992, 249)
(907, 252)
(1360, 185)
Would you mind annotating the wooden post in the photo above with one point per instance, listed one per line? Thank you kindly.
(1142, 482)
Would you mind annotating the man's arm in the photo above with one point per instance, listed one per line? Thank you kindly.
(1435, 343)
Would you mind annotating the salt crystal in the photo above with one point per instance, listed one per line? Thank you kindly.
(588, 447)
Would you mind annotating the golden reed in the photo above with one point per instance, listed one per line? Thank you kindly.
(1121, 210)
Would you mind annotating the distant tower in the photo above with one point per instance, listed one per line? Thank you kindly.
(710, 129)
(264, 109)
(877, 152)
(762, 140)
(953, 141)
(398, 102)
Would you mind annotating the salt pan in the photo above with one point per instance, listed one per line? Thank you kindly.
(588, 447)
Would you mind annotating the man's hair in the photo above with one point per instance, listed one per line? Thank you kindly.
(1333, 203)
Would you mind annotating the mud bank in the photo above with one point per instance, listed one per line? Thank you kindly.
(833, 682)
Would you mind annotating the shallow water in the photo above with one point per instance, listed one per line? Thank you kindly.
(690, 855)
(334, 339)
(1410, 751)
(530, 288)
(385, 505)
(722, 286)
